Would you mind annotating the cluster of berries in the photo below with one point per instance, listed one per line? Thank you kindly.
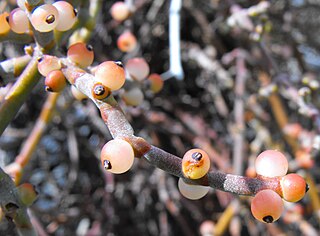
(120, 12)
(266, 205)
(44, 18)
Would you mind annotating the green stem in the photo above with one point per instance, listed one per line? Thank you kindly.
(18, 93)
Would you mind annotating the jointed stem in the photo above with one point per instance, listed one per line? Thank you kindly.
(119, 127)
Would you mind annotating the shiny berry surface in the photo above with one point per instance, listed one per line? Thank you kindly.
(120, 11)
(195, 164)
(67, 15)
(192, 192)
(45, 18)
(138, 68)
(271, 163)
(267, 206)
(294, 187)
(117, 156)
(111, 74)
(127, 42)
(81, 54)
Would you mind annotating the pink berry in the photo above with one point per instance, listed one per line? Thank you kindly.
(67, 15)
(267, 206)
(138, 68)
(127, 42)
(81, 54)
(271, 163)
(45, 18)
(120, 11)
(111, 74)
(18, 21)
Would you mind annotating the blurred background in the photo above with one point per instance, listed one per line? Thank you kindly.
(251, 83)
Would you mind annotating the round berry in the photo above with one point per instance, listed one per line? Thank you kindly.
(127, 42)
(77, 94)
(207, 228)
(18, 21)
(293, 187)
(45, 18)
(111, 74)
(271, 163)
(55, 81)
(117, 156)
(138, 68)
(156, 82)
(4, 24)
(195, 164)
(67, 15)
(48, 63)
(133, 96)
(81, 54)
(267, 206)
(27, 193)
(192, 192)
(120, 11)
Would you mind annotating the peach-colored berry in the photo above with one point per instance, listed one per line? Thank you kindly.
(67, 15)
(293, 187)
(156, 82)
(127, 42)
(55, 81)
(117, 156)
(18, 21)
(207, 228)
(271, 163)
(195, 164)
(138, 68)
(191, 191)
(133, 96)
(267, 206)
(120, 11)
(45, 18)
(81, 54)
(111, 74)
(48, 63)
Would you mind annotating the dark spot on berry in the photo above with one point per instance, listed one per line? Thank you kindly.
(50, 19)
(119, 63)
(307, 187)
(99, 90)
(48, 89)
(7, 19)
(107, 165)
(268, 219)
(196, 156)
(40, 59)
(75, 12)
(89, 47)
(11, 207)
